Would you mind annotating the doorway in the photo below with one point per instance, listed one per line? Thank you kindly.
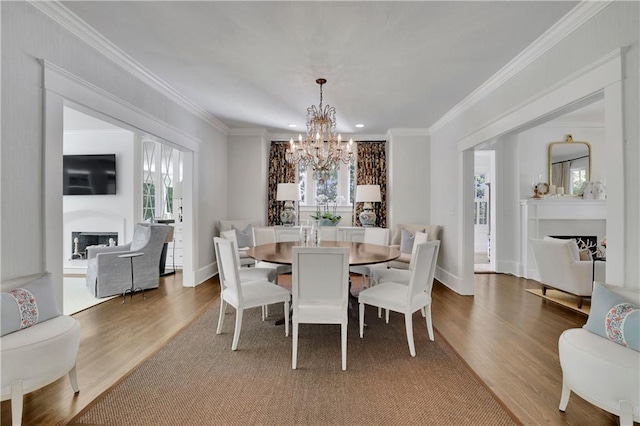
(484, 212)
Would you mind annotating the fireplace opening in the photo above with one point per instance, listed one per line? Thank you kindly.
(589, 242)
(81, 240)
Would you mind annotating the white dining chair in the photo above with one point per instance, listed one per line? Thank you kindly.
(379, 236)
(328, 233)
(243, 295)
(251, 274)
(320, 291)
(268, 236)
(397, 275)
(406, 299)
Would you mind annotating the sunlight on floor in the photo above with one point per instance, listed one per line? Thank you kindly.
(77, 297)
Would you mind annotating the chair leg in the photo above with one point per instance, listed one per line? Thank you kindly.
(236, 333)
(564, 398)
(361, 315)
(16, 403)
(423, 312)
(386, 315)
(580, 302)
(408, 321)
(379, 312)
(626, 413)
(223, 308)
(286, 318)
(73, 378)
(426, 312)
(344, 345)
(294, 352)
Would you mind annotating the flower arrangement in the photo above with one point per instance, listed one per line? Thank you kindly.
(326, 209)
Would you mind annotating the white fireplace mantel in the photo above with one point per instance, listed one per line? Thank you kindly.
(558, 216)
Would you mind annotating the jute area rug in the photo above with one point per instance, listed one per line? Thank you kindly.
(563, 299)
(196, 379)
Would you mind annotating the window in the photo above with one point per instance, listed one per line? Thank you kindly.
(159, 180)
(480, 204)
(339, 181)
(578, 177)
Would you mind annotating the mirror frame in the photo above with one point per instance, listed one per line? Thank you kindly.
(568, 140)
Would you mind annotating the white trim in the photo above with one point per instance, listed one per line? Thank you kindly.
(448, 279)
(574, 124)
(573, 20)
(76, 26)
(602, 76)
(100, 132)
(409, 132)
(206, 272)
(61, 86)
(61, 81)
(585, 82)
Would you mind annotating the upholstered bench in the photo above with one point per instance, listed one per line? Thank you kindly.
(38, 345)
(601, 362)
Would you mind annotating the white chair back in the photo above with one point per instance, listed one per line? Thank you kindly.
(320, 277)
(231, 236)
(329, 233)
(228, 267)
(419, 238)
(379, 236)
(264, 236)
(426, 258)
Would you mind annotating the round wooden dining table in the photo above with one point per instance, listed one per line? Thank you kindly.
(359, 253)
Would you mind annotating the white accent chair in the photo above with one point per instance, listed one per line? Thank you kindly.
(246, 295)
(379, 236)
(403, 298)
(109, 274)
(600, 371)
(320, 291)
(560, 268)
(38, 355)
(268, 236)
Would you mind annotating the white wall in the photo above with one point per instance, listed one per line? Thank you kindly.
(247, 159)
(616, 26)
(408, 161)
(533, 151)
(120, 143)
(27, 36)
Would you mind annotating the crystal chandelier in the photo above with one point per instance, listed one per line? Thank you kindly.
(321, 149)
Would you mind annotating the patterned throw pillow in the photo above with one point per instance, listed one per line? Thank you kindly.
(614, 317)
(28, 305)
(244, 237)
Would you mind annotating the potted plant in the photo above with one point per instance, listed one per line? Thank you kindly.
(324, 214)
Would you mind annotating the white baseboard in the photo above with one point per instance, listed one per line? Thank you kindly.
(448, 279)
(205, 273)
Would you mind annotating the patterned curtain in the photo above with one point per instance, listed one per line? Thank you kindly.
(279, 172)
(372, 170)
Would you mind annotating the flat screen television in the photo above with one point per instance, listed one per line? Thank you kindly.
(89, 174)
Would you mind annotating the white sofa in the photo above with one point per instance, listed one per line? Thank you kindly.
(600, 371)
(560, 267)
(402, 262)
(35, 356)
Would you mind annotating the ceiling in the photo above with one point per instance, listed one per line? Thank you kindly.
(387, 64)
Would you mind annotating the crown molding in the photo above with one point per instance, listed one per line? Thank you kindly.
(98, 132)
(573, 20)
(76, 26)
(573, 124)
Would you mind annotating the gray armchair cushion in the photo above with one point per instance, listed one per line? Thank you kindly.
(108, 274)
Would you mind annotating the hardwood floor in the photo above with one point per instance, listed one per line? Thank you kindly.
(506, 335)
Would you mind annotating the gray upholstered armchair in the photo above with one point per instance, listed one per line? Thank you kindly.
(108, 274)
